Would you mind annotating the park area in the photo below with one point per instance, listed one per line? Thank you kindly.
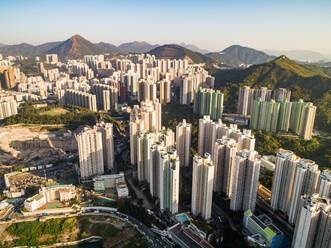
(115, 232)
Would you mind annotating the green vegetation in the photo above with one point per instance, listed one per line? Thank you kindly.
(70, 116)
(37, 233)
(202, 225)
(73, 118)
(307, 82)
(137, 241)
(105, 230)
(173, 113)
(178, 52)
(55, 112)
(317, 149)
(266, 177)
(28, 67)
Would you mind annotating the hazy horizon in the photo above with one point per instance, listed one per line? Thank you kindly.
(211, 25)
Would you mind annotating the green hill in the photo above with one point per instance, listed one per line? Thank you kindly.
(305, 81)
(178, 52)
(239, 56)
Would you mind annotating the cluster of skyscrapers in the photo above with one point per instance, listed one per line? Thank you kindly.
(235, 167)
(79, 98)
(193, 79)
(154, 152)
(247, 95)
(208, 102)
(293, 178)
(313, 225)
(95, 149)
(272, 116)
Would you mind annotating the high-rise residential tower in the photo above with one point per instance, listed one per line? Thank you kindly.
(108, 144)
(202, 186)
(90, 150)
(286, 163)
(244, 99)
(208, 102)
(209, 131)
(165, 91)
(305, 182)
(324, 184)
(146, 118)
(245, 180)
(225, 151)
(169, 180)
(313, 227)
(183, 142)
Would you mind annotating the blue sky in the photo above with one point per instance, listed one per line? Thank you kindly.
(209, 24)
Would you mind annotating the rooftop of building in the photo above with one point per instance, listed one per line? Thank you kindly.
(188, 237)
(265, 223)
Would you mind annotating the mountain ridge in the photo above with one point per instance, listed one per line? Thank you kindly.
(75, 47)
(240, 56)
(136, 47)
(174, 51)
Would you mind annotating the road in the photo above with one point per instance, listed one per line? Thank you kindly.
(219, 212)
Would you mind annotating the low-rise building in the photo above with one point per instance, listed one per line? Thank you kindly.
(48, 194)
(113, 181)
(262, 226)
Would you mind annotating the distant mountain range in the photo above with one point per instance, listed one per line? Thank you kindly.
(75, 47)
(239, 56)
(136, 47)
(173, 51)
(233, 56)
(193, 48)
(301, 55)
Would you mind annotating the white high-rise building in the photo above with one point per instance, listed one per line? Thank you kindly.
(245, 180)
(305, 182)
(202, 186)
(169, 181)
(146, 118)
(209, 131)
(165, 91)
(286, 163)
(147, 91)
(313, 227)
(183, 142)
(51, 58)
(324, 184)
(90, 149)
(136, 127)
(144, 143)
(225, 152)
(156, 150)
(244, 100)
(108, 144)
(8, 108)
(146, 165)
